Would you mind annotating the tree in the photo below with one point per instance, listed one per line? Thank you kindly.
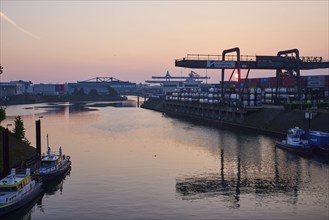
(2, 114)
(81, 91)
(75, 92)
(93, 93)
(112, 92)
(19, 130)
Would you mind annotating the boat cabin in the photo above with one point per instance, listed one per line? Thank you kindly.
(51, 161)
(296, 136)
(319, 139)
(12, 184)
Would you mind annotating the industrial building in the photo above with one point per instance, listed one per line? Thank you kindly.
(102, 85)
(15, 88)
(49, 89)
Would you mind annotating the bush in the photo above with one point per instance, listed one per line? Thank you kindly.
(323, 104)
(304, 106)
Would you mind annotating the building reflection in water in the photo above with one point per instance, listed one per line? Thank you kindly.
(281, 179)
(75, 107)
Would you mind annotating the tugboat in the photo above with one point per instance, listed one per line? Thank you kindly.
(53, 165)
(296, 142)
(17, 190)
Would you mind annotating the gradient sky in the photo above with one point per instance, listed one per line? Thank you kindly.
(69, 41)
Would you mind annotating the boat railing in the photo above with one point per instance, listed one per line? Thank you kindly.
(211, 57)
(48, 168)
(51, 153)
(229, 57)
(20, 172)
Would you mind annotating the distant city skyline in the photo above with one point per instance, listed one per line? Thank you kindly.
(69, 41)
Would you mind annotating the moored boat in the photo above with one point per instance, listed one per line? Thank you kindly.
(319, 140)
(53, 165)
(17, 190)
(296, 141)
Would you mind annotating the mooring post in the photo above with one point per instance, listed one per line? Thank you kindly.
(38, 138)
(222, 165)
(5, 152)
(137, 101)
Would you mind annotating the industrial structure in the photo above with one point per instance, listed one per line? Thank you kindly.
(102, 85)
(287, 62)
(170, 83)
(99, 84)
(232, 101)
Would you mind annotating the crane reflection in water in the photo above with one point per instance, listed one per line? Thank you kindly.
(234, 181)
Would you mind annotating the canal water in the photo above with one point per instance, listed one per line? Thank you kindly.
(132, 163)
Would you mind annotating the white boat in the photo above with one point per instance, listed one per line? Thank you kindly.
(53, 165)
(296, 141)
(17, 190)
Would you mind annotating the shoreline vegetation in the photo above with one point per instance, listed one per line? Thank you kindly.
(19, 151)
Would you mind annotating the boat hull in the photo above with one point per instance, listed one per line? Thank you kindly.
(305, 150)
(54, 174)
(29, 197)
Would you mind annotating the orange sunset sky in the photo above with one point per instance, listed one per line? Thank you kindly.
(69, 41)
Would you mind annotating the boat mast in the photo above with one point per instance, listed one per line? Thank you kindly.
(47, 141)
(48, 148)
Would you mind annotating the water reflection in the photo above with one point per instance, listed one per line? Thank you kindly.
(65, 108)
(149, 166)
(62, 108)
(55, 186)
(285, 176)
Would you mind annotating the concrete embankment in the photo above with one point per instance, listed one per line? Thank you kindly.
(274, 121)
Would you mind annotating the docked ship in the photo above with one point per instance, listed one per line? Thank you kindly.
(18, 190)
(296, 141)
(53, 165)
(319, 140)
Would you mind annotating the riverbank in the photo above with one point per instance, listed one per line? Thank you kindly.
(268, 120)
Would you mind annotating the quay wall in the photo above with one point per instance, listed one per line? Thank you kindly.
(270, 120)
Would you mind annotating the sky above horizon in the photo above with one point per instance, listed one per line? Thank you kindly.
(69, 41)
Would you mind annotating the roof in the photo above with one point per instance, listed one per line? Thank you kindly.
(12, 180)
(50, 158)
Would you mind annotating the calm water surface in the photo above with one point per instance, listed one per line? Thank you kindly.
(132, 163)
